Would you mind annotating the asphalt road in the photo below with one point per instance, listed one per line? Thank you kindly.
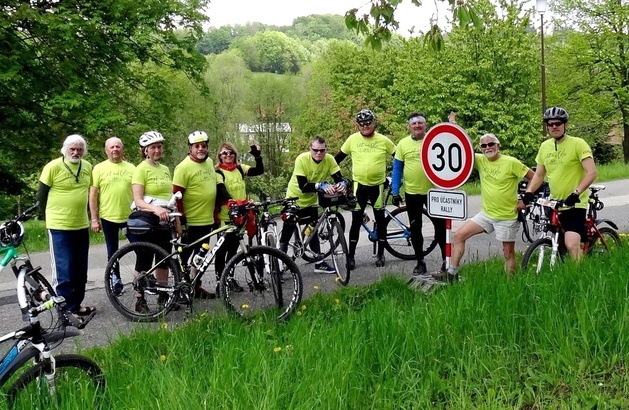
(108, 324)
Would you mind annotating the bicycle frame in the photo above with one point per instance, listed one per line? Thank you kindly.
(326, 216)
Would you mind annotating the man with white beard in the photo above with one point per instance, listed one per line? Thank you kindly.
(499, 178)
(63, 197)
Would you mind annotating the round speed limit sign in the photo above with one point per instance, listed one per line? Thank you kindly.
(447, 156)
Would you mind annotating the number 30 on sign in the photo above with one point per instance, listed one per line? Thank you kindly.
(447, 156)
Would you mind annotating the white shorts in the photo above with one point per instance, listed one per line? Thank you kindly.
(506, 230)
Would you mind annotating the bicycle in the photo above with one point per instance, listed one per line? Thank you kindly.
(256, 266)
(543, 253)
(11, 237)
(398, 227)
(46, 379)
(329, 228)
(531, 218)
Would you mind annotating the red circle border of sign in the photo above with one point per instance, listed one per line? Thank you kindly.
(466, 142)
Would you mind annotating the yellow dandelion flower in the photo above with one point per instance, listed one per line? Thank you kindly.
(303, 307)
(337, 279)
(162, 358)
(289, 347)
(277, 349)
(337, 301)
(298, 313)
(164, 326)
(244, 306)
(315, 287)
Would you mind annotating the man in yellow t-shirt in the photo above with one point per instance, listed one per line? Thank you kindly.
(63, 195)
(198, 182)
(369, 151)
(568, 163)
(111, 197)
(499, 178)
(409, 172)
(310, 174)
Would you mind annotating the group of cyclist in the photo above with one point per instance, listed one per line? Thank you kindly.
(69, 184)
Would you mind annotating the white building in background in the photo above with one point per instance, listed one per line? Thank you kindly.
(279, 132)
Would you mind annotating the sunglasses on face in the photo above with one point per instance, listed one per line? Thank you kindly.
(489, 144)
(365, 124)
(319, 151)
(554, 124)
(227, 152)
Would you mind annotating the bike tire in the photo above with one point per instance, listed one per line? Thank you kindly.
(537, 257)
(339, 254)
(610, 238)
(78, 382)
(277, 294)
(398, 240)
(158, 303)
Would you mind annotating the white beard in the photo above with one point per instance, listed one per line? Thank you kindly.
(73, 160)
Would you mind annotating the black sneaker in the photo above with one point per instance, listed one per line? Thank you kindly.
(351, 263)
(445, 276)
(380, 261)
(420, 269)
(118, 289)
(233, 285)
(141, 306)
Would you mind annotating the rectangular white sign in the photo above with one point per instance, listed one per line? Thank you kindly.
(447, 204)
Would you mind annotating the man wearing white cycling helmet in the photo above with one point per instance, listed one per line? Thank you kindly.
(198, 183)
(152, 179)
(63, 196)
(569, 165)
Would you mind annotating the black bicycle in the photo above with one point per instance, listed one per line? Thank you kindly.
(269, 278)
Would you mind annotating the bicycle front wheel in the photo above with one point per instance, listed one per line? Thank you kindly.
(131, 281)
(398, 240)
(538, 256)
(263, 281)
(77, 382)
(339, 253)
(607, 241)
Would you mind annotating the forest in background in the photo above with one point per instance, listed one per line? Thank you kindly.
(122, 68)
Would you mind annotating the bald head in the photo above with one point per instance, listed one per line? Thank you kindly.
(114, 149)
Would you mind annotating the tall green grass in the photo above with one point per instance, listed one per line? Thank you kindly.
(36, 236)
(558, 340)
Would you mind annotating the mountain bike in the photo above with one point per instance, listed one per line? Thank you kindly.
(533, 216)
(11, 237)
(544, 252)
(37, 378)
(257, 267)
(329, 229)
(398, 228)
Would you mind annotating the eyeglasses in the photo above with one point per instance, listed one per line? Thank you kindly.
(365, 124)
(489, 144)
(555, 124)
(320, 151)
(227, 152)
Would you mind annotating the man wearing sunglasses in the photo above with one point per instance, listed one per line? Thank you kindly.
(568, 163)
(409, 172)
(310, 174)
(369, 151)
(499, 178)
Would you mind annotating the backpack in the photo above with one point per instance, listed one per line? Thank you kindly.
(143, 222)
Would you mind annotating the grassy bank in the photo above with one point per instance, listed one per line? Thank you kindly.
(558, 340)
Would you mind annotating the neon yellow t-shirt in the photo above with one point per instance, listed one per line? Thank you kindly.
(414, 178)
(369, 157)
(564, 169)
(305, 166)
(199, 180)
(499, 185)
(113, 181)
(236, 187)
(156, 181)
(66, 208)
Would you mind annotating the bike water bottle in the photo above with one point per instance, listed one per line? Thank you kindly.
(308, 230)
(198, 258)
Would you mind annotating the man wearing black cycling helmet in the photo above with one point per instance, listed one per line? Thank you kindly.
(568, 163)
(369, 151)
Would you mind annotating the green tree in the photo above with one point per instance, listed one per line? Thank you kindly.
(604, 26)
(272, 52)
(216, 40)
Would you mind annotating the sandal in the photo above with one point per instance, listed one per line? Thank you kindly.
(85, 310)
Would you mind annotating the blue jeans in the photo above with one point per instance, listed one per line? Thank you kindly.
(111, 230)
(69, 252)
